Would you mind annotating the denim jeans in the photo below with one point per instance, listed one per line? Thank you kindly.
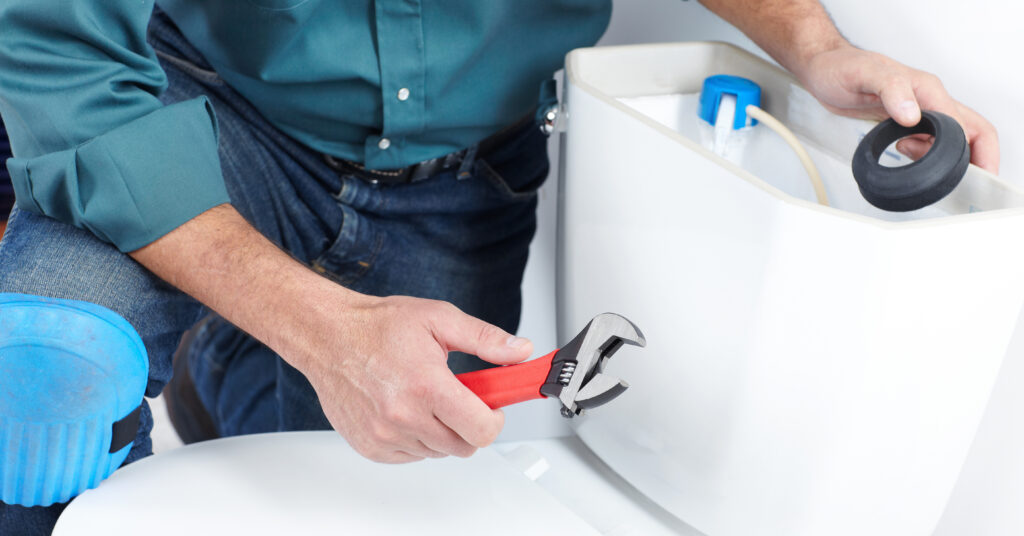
(461, 236)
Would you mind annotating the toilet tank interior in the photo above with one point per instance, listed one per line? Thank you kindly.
(662, 84)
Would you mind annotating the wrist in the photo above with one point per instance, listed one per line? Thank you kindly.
(305, 312)
(794, 32)
(802, 62)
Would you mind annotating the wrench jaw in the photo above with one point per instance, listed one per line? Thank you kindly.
(577, 375)
(600, 390)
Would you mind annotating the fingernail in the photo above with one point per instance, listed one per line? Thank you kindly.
(515, 342)
(907, 110)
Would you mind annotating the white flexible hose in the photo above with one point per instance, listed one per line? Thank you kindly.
(798, 148)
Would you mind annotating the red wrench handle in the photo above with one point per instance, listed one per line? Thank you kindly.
(502, 386)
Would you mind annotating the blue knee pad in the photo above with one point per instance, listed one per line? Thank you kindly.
(72, 378)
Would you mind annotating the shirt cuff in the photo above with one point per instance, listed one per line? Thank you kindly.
(133, 184)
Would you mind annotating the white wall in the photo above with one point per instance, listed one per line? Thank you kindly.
(974, 47)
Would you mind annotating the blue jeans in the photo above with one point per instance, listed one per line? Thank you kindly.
(460, 236)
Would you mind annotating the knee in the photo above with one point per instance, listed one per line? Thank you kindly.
(41, 255)
(73, 376)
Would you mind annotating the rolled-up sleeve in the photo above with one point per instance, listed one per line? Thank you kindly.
(93, 145)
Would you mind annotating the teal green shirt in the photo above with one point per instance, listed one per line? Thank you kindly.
(384, 82)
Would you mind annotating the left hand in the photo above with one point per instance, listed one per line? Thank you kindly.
(857, 83)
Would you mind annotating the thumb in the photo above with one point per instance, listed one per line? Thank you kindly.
(898, 99)
(462, 332)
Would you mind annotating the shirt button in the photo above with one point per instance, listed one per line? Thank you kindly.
(403, 94)
(384, 143)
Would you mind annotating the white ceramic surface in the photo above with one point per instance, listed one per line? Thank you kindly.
(313, 483)
(973, 47)
(810, 370)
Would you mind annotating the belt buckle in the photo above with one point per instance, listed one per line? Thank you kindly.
(407, 174)
(375, 177)
(366, 175)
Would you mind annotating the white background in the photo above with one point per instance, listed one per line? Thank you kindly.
(975, 47)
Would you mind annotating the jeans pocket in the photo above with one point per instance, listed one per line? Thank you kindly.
(201, 73)
(517, 168)
(354, 251)
(518, 180)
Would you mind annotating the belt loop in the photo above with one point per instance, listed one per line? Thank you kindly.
(466, 167)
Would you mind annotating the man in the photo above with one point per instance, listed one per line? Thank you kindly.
(368, 152)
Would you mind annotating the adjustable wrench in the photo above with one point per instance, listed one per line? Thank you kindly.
(574, 374)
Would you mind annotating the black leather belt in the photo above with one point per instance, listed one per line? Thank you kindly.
(433, 166)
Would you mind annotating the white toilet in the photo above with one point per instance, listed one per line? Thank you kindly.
(810, 370)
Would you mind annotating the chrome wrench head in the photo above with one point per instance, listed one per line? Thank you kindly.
(577, 375)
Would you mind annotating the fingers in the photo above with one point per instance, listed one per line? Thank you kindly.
(432, 438)
(848, 81)
(466, 415)
(391, 443)
(392, 457)
(443, 439)
(981, 135)
(421, 449)
(983, 138)
(426, 435)
(899, 100)
(455, 406)
(985, 152)
(410, 425)
(401, 403)
(875, 75)
(915, 146)
(904, 96)
(458, 331)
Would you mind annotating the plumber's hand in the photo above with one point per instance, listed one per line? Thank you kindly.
(383, 381)
(379, 365)
(857, 83)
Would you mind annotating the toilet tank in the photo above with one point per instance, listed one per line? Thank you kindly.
(811, 370)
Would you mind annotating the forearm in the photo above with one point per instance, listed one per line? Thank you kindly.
(222, 261)
(791, 31)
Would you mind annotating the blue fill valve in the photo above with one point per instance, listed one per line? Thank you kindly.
(745, 91)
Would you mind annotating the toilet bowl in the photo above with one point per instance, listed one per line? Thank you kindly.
(314, 483)
(811, 369)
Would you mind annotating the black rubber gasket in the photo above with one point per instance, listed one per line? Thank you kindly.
(921, 183)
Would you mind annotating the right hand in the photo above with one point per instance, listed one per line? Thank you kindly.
(857, 83)
(379, 365)
(382, 377)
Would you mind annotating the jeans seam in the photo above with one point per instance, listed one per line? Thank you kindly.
(499, 182)
(370, 261)
(378, 245)
(365, 266)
